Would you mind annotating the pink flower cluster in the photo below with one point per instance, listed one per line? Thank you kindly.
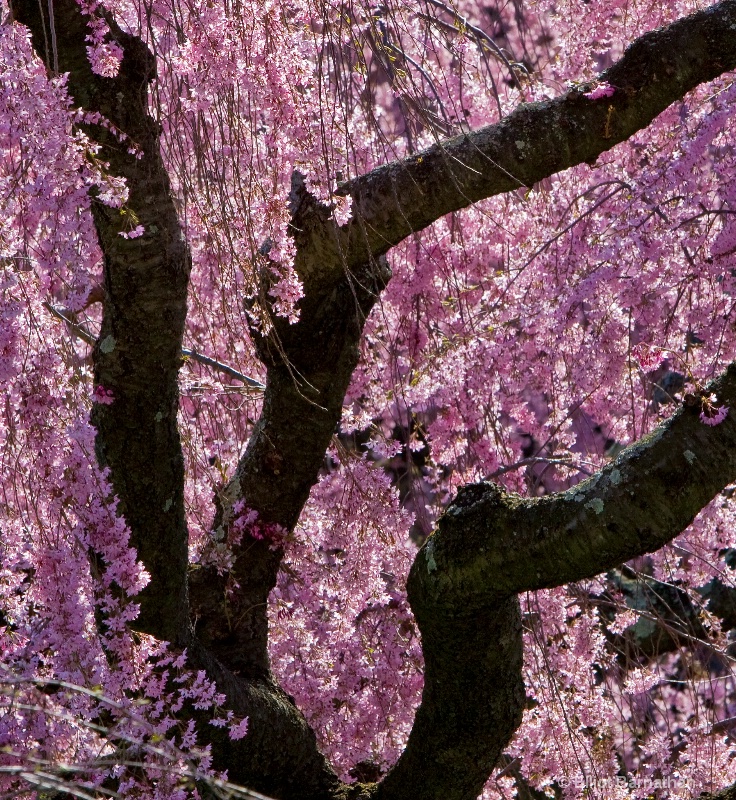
(600, 90)
(246, 522)
(102, 395)
(134, 233)
(712, 414)
(104, 56)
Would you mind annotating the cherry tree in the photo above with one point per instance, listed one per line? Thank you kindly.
(368, 427)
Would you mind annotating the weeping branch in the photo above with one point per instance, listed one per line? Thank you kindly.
(489, 545)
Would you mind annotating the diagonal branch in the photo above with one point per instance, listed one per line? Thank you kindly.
(539, 139)
(534, 142)
(251, 383)
(651, 492)
(194, 355)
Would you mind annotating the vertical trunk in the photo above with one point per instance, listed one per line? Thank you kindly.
(138, 354)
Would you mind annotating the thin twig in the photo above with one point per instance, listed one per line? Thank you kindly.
(75, 327)
(86, 336)
(231, 371)
(479, 34)
(525, 462)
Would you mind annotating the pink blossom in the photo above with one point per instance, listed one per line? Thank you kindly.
(239, 729)
(139, 230)
(105, 58)
(640, 681)
(713, 415)
(102, 395)
(600, 90)
(649, 357)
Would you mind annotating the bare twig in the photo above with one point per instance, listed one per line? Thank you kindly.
(525, 462)
(86, 336)
(75, 327)
(480, 35)
(218, 365)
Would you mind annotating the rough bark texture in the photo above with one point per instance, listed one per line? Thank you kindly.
(279, 756)
(638, 503)
(489, 545)
(472, 701)
(535, 141)
(309, 369)
(145, 283)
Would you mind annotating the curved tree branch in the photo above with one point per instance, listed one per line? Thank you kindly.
(497, 544)
(491, 545)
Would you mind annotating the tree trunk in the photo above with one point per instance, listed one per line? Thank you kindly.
(489, 545)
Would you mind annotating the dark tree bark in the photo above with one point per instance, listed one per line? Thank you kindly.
(145, 296)
(138, 356)
(534, 142)
(489, 545)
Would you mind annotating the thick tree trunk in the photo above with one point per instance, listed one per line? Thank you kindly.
(138, 356)
(489, 545)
